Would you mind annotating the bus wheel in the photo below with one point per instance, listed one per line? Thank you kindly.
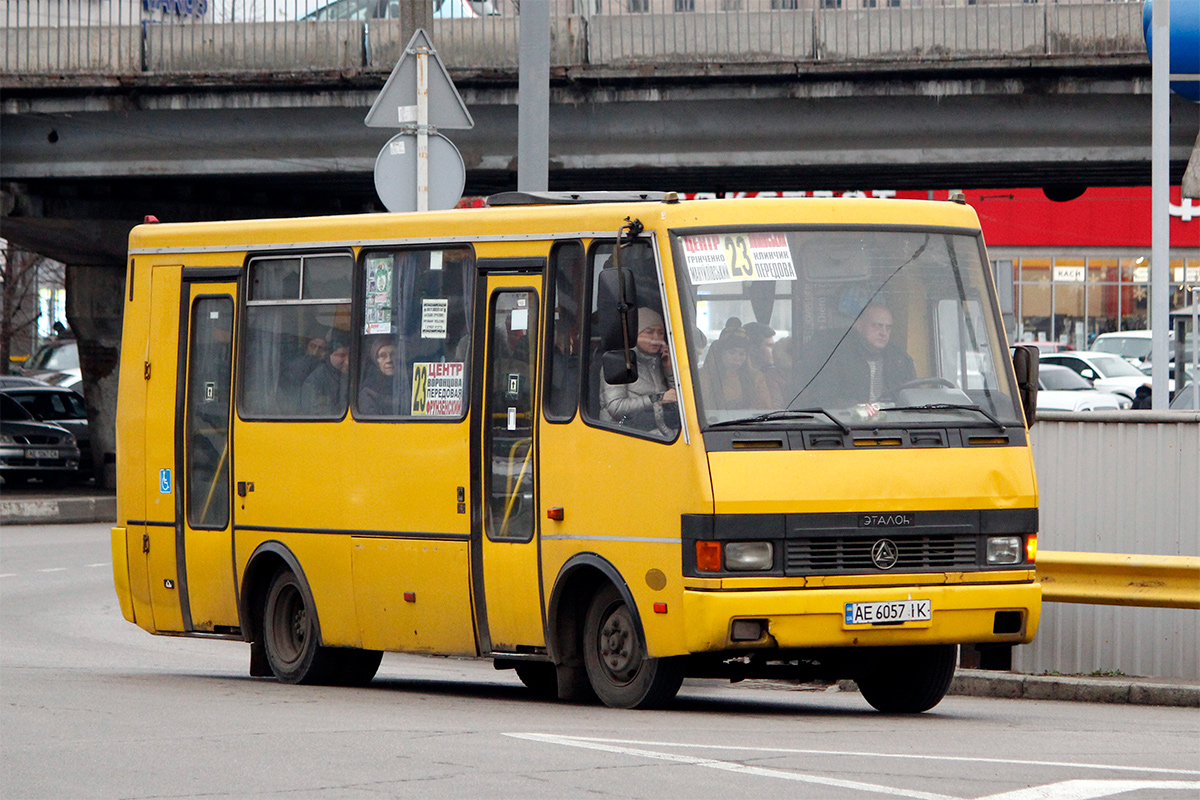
(540, 677)
(289, 635)
(354, 667)
(618, 668)
(908, 680)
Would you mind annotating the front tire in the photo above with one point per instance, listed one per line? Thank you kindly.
(619, 670)
(907, 680)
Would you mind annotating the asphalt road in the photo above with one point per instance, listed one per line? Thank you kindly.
(93, 707)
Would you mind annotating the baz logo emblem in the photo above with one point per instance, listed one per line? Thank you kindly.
(885, 554)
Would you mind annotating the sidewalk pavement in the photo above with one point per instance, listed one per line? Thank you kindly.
(29, 506)
(85, 504)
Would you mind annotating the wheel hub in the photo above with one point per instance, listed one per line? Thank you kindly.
(618, 645)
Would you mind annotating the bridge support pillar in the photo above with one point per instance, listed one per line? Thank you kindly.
(95, 303)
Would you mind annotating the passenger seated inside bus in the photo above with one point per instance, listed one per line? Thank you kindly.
(650, 403)
(728, 381)
(381, 389)
(325, 391)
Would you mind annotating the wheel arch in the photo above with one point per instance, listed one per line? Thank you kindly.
(578, 579)
(264, 562)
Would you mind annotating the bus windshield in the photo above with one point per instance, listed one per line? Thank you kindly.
(853, 328)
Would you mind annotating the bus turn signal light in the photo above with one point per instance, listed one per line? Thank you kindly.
(555, 514)
(1031, 548)
(708, 556)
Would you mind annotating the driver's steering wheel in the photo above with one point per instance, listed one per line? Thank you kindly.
(932, 380)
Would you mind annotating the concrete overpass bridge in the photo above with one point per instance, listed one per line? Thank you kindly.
(203, 119)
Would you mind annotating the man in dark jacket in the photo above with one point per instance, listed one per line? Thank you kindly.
(866, 366)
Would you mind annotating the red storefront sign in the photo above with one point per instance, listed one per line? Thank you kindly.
(1100, 217)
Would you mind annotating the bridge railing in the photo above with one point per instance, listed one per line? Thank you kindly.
(129, 37)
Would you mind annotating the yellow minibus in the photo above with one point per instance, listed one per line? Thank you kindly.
(608, 440)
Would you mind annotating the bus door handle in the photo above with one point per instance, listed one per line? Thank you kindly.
(245, 487)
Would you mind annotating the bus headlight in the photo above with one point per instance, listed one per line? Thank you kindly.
(1004, 550)
(749, 556)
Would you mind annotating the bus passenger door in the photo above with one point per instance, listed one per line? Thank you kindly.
(204, 498)
(504, 546)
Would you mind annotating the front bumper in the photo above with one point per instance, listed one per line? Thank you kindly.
(804, 618)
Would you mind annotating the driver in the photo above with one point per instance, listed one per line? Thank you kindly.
(867, 365)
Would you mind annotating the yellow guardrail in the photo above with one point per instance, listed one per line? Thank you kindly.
(1117, 579)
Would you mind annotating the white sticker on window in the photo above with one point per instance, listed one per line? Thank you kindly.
(435, 260)
(378, 306)
(519, 321)
(724, 258)
(434, 313)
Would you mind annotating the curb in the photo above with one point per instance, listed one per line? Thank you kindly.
(1131, 691)
(57, 510)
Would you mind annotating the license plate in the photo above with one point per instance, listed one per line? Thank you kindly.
(42, 454)
(889, 612)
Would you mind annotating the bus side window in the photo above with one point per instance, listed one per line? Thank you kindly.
(563, 351)
(648, 406)
(295, 351)
(414, 340)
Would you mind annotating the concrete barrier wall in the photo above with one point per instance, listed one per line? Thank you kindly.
(1126, 482)
(100, 49)
(1094, 29)
(479, 44)
(728, 38)
(931, 33)
(255, 47)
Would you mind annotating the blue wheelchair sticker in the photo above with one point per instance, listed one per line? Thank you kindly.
(164, 481)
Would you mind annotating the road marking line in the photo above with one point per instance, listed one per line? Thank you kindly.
(9, 575)
(1064, 790)
(726, 766)
(101, 564)
(917, 757)
(1087, 790)
(54, 569)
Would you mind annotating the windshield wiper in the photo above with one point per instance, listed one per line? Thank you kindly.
(786, 413)
(949, 407)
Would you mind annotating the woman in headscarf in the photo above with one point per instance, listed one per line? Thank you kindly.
(650, 403)
(728, 381)
(378, 393)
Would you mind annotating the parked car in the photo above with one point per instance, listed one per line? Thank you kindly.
(32, 449)
(1049, 347)
(1106, 371)
(388, 9)
(56, 362)
(13, 381)
(1185, 398)
(1134, 347)
(62, 407)
(1063, 389)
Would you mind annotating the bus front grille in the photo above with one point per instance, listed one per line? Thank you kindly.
(841, 554)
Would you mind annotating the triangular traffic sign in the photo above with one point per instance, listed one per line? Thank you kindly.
(396, 104)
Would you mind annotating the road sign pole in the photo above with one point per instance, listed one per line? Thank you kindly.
(422, 129)
(1160, 198)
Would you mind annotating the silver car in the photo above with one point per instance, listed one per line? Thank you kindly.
(32, 449)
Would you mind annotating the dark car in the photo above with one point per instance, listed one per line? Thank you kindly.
(32, 449)
(61, 407)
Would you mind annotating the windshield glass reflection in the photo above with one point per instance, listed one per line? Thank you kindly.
(853, 327)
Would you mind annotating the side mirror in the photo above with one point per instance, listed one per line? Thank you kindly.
(616, 309)
(1025, 364)
(618, 369)
(1090, 374)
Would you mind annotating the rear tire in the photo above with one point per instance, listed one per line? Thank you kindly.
(618, 668)
(290, 634)
(907, 680)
